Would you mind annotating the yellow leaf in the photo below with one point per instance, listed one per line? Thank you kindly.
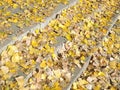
(50, 77)
(88, 36)
(83, 82)
(52, 23)
(24, 66)
(10, 64)
(85, 41)
(20, 81)
(64, 1)
(39, 19)
(33, 50)
(43, 64)
(77, 62)
(112, 35)
(61, 26)
(35, 10)
(68, 36)
(12, 49)
(33, 87)
(97, 87)
(49, 63)
(15, 5)
(89, 23)
(56, 27)
(43, 76)
(101, 74)
(67, 23)
(4, 69)
(96, 73)
(93, 43)
(45, 87)
(104, 31)
(6, 76)
(74, 86)
(33, 62)
(64, 13)
(75, 19)
(9, 1)
(7, 13)
(16, 57)
(14, 20)
(57, 73)
(37, 31)
(12, 71)
(47, 46)
(13, 84)
(81, 88)
(56, 86)
(34, 43)
(82, 58)
(109, 51)
(117, 45)
(118, 66)
(113, 64)
(54, 55)
(71, 53)
(113, 88)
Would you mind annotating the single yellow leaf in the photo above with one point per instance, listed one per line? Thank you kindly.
(74, 86)
(15, 5)
(97, 87)
(37, 31)
(33, 87)
(43, 64)
(88, 36)
(6, 76)
(104, 31)
(118, 65)
(4, 69)
(16, 57)
(67, 23)
(77, 62)
(101, 74)
(113, 88)
(46, 87)
(57, 73)
(43, 76)
(75, 19)
(117, 45)
(15, 20)
(64, 1)
(12, 50)
(85, 41)
(68, 36)
(56, 86)
(83, 82)
(113, 64)
(34, 43)
(20, 81)
(49, 63)
(54, 55)
(82, 58)
(33, 50)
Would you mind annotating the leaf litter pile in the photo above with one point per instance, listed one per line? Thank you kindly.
(17, 14)
(47, 58)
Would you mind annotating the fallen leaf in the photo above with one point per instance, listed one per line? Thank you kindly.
(4, 69)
